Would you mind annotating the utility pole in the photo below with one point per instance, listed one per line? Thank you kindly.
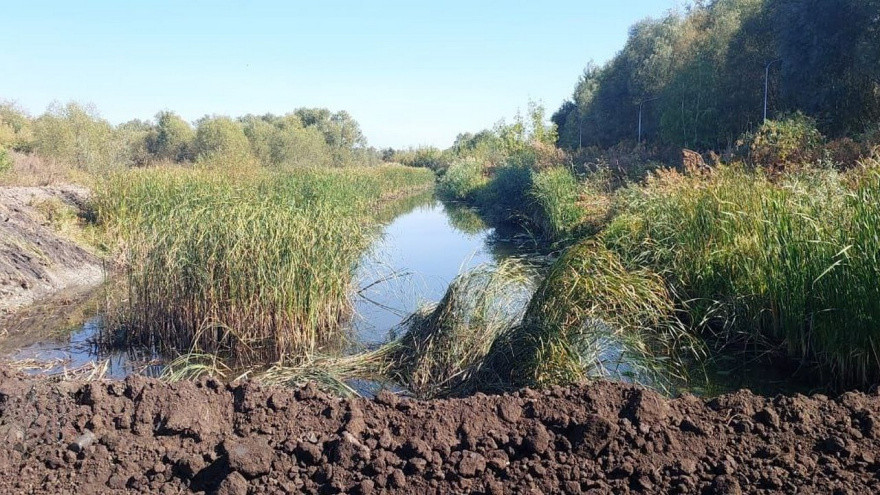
(767, 84)
(640, 115)
(580, 130)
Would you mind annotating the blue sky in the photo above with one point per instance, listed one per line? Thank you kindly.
(412, 73)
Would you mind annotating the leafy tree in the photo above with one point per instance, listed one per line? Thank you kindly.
(703, 71)
(221, 139)
(823, 44)
(16, 128)
(134, 139)
(173, 138)
(77, 135)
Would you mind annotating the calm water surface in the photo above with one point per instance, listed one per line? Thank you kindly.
(415, 260)
(412, 263)
(419, 253)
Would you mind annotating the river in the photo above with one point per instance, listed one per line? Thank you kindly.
(418, 254)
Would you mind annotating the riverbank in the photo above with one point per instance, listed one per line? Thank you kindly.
(39, 254)
(145, 436)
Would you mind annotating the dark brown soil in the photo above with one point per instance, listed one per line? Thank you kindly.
(142, 435)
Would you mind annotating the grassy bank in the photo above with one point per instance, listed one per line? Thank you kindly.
(254, 264)
(780, 262)
(787, 262)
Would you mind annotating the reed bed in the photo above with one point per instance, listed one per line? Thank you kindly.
(789, 262)
(250, 264)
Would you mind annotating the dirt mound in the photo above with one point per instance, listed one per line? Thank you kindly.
(142, 435)
(35, 260)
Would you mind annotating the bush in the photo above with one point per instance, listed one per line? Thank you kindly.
(787, 144)
(283, 142)
(76, 135)
(173, 138)
(221, 141)
(134, 140)
(432, 158)
(844, 153)
(507, 196)
(16, 129)
(462, 181)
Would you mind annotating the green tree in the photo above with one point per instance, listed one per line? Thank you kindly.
(77, 135)
(173, 138)
(16, 128)
(221, 140)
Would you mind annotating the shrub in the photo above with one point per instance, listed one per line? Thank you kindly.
(787, 144)
(507, 197)
(221, 141)
(76, 135)
(5, 161)
(427, 157)
(133, 138)
(844, 153)
(16, 128)
(173, 138)
(283, 142)
(462, 181)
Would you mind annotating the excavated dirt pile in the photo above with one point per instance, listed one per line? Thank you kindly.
(142, 435)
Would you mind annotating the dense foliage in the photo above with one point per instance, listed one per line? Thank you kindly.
(75, 135)
(699, 74)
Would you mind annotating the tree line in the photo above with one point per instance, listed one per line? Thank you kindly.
(699, 74)
(76, 135)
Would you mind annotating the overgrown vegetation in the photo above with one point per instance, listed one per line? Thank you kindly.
(788, 262)
(75, 136)
(257, 265)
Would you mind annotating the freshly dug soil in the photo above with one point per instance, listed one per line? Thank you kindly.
(142, 435)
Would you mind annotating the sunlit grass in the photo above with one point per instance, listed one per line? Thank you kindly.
(790, 261)
(250, 263)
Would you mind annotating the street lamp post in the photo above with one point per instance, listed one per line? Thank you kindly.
(767, 84)
(640, 115)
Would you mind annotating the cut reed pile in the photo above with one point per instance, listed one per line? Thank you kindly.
(444, 345)
(591, 317)
(253, 264)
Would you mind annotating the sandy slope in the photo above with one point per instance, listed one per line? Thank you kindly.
(35, 261)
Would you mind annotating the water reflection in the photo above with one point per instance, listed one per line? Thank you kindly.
(415, 260)
(78, 350)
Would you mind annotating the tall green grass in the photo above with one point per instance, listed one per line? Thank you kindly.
(254, 264)
(787, 261)
(555, 193)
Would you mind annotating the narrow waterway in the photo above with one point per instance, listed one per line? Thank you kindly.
(419, 254)
(412, 263)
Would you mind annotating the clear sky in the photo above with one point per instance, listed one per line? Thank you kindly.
(411, 72)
